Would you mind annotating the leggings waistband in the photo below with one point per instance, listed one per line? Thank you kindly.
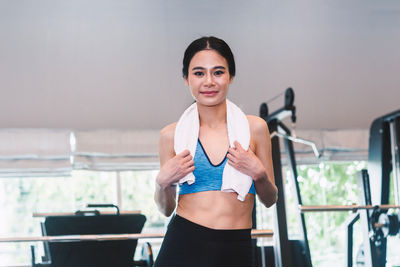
(195, 230)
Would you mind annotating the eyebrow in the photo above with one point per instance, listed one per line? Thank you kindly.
(201, 68)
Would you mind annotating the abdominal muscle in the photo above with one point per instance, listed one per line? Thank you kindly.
(217, 209)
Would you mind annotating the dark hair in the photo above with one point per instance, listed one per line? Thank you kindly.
(205, 43)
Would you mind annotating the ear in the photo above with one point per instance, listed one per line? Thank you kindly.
(231, 79)
(186, 81)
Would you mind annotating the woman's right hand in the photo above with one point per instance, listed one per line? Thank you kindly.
(175, 168)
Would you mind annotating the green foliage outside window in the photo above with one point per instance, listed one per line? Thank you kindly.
(323, 184)
(333, 183)
(328, 184)
(138, 194)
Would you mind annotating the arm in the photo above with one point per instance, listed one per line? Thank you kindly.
(264, 181)
(257, 164)
(172, 169)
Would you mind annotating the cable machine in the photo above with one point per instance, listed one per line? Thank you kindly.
(287, 252)
(376, 222)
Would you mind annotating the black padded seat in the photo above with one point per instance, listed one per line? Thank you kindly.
(118, 253)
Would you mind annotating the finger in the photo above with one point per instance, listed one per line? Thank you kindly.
(233, 152)
(188, 170)
(187, 158)
(184, 173)
(231, 158)
(191, 169)
(238, 146)
(184, 153)
(188, 164)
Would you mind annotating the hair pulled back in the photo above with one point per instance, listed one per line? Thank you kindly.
(208, 43)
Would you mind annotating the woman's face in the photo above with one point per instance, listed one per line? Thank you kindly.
(208, 77)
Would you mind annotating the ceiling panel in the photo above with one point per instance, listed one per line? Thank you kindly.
(117, 64)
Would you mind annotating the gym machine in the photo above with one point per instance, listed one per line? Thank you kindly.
(81, 240)
(377, 224)
(287, 253)
(372, 210)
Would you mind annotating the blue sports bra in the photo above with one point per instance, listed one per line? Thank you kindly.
(208, 176)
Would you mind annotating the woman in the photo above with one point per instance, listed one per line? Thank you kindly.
(211, 227)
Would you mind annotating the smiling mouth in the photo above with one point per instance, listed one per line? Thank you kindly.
(209, 92)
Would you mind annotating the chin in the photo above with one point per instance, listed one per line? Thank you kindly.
(210, 102)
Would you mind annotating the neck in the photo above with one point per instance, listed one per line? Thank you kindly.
(212, 116)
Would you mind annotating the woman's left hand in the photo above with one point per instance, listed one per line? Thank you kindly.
(245, 161)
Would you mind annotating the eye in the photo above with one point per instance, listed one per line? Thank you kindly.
(198, 73)
(219, 73)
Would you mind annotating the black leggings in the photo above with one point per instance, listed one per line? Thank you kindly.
(187, 244)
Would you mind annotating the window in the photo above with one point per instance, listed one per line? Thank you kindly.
(138, 194)
(21, 197)
(323, 184)
(330, 183)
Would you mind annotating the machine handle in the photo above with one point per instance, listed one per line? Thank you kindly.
(103, 206)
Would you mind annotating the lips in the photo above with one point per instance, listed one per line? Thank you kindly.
(209, 93)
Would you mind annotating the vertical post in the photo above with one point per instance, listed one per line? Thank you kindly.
(282, 249)
(33, 260)
(118, 194)
(46, 247)
(364, 198)
(379, 157)
(297, 199)
(349, 249)
(394, 140)
(375, 253)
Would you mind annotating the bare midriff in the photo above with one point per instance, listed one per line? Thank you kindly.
(217, 209)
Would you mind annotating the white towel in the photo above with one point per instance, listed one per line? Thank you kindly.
(187, 134)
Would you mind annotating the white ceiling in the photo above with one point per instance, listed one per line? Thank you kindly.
(117, 64)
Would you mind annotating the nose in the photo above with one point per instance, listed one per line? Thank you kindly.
(209, 80)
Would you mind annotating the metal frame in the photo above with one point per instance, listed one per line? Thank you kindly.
(383, 158)
(349, 234)
(375, 254)
(255, 233)
(354, 208)
(394, 139)
(282, 250)
(288, 253)
(381, 154)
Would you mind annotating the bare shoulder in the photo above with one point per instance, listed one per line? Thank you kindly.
(258, 126)
(167, 133)
(166, 143)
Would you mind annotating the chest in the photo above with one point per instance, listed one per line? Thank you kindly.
(215, 143)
